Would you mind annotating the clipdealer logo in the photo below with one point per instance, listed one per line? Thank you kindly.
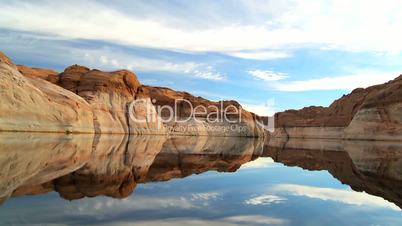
(215, 117)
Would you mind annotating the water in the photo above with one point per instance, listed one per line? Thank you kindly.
(117, 180)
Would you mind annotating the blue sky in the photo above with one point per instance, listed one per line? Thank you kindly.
(268, 55)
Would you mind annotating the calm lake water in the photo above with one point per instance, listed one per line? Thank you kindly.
(145, 180)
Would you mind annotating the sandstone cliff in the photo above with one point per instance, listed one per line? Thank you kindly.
(210, 121)
(373, 113)
(92, 101)
(32, 104)
(109, 94)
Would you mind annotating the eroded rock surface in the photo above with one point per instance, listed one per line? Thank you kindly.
(115, 101)
(43, 73)
(374, 113)
(32, 104)
(210, 120)
(109, 95)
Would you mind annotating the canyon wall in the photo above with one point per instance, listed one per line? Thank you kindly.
(83, 100)
(192, 120)
(374, 113)
(33, 104)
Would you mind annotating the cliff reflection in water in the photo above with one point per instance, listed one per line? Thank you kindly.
(78, 166)
(374, 167)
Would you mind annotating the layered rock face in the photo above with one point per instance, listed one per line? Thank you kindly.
(197, 116)
(110, 94)
(373, 113)
(32, 104)
(91, 101)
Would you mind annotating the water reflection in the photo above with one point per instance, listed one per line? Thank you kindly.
(372, 167)
(266, 188)
(78, 166)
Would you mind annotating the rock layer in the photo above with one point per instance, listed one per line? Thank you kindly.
(199, 116)
(109, 95)
(374, 113)
(32, 104)
(92, 101)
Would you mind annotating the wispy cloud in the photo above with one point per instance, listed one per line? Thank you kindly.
(205, 196)
(123, 60)
(108, 59)
(209, 74)
(259, 163)
(336, 195)
(236, 220)
(361, 26)
(347, 82)
(260, 55)
(265, 200)
(255, 220)
(266, 108)
(267, 75)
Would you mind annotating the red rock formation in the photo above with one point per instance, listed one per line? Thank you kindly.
(108, 94)
(246, 121)
(5, 60)
(373, 113)
(43, 73)
(110, 97)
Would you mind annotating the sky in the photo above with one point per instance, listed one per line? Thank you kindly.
(269, 55)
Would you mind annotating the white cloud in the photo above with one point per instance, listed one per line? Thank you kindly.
(337, 195)
(208, 74)
(359, 25)
(117, 60)
(185, 201)
(260, 55)
(348, 82)
(259, 163)
(227, 221)
(267, 75)
(266, 108)
(205, 196)
(255, 219)
(265, 200)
